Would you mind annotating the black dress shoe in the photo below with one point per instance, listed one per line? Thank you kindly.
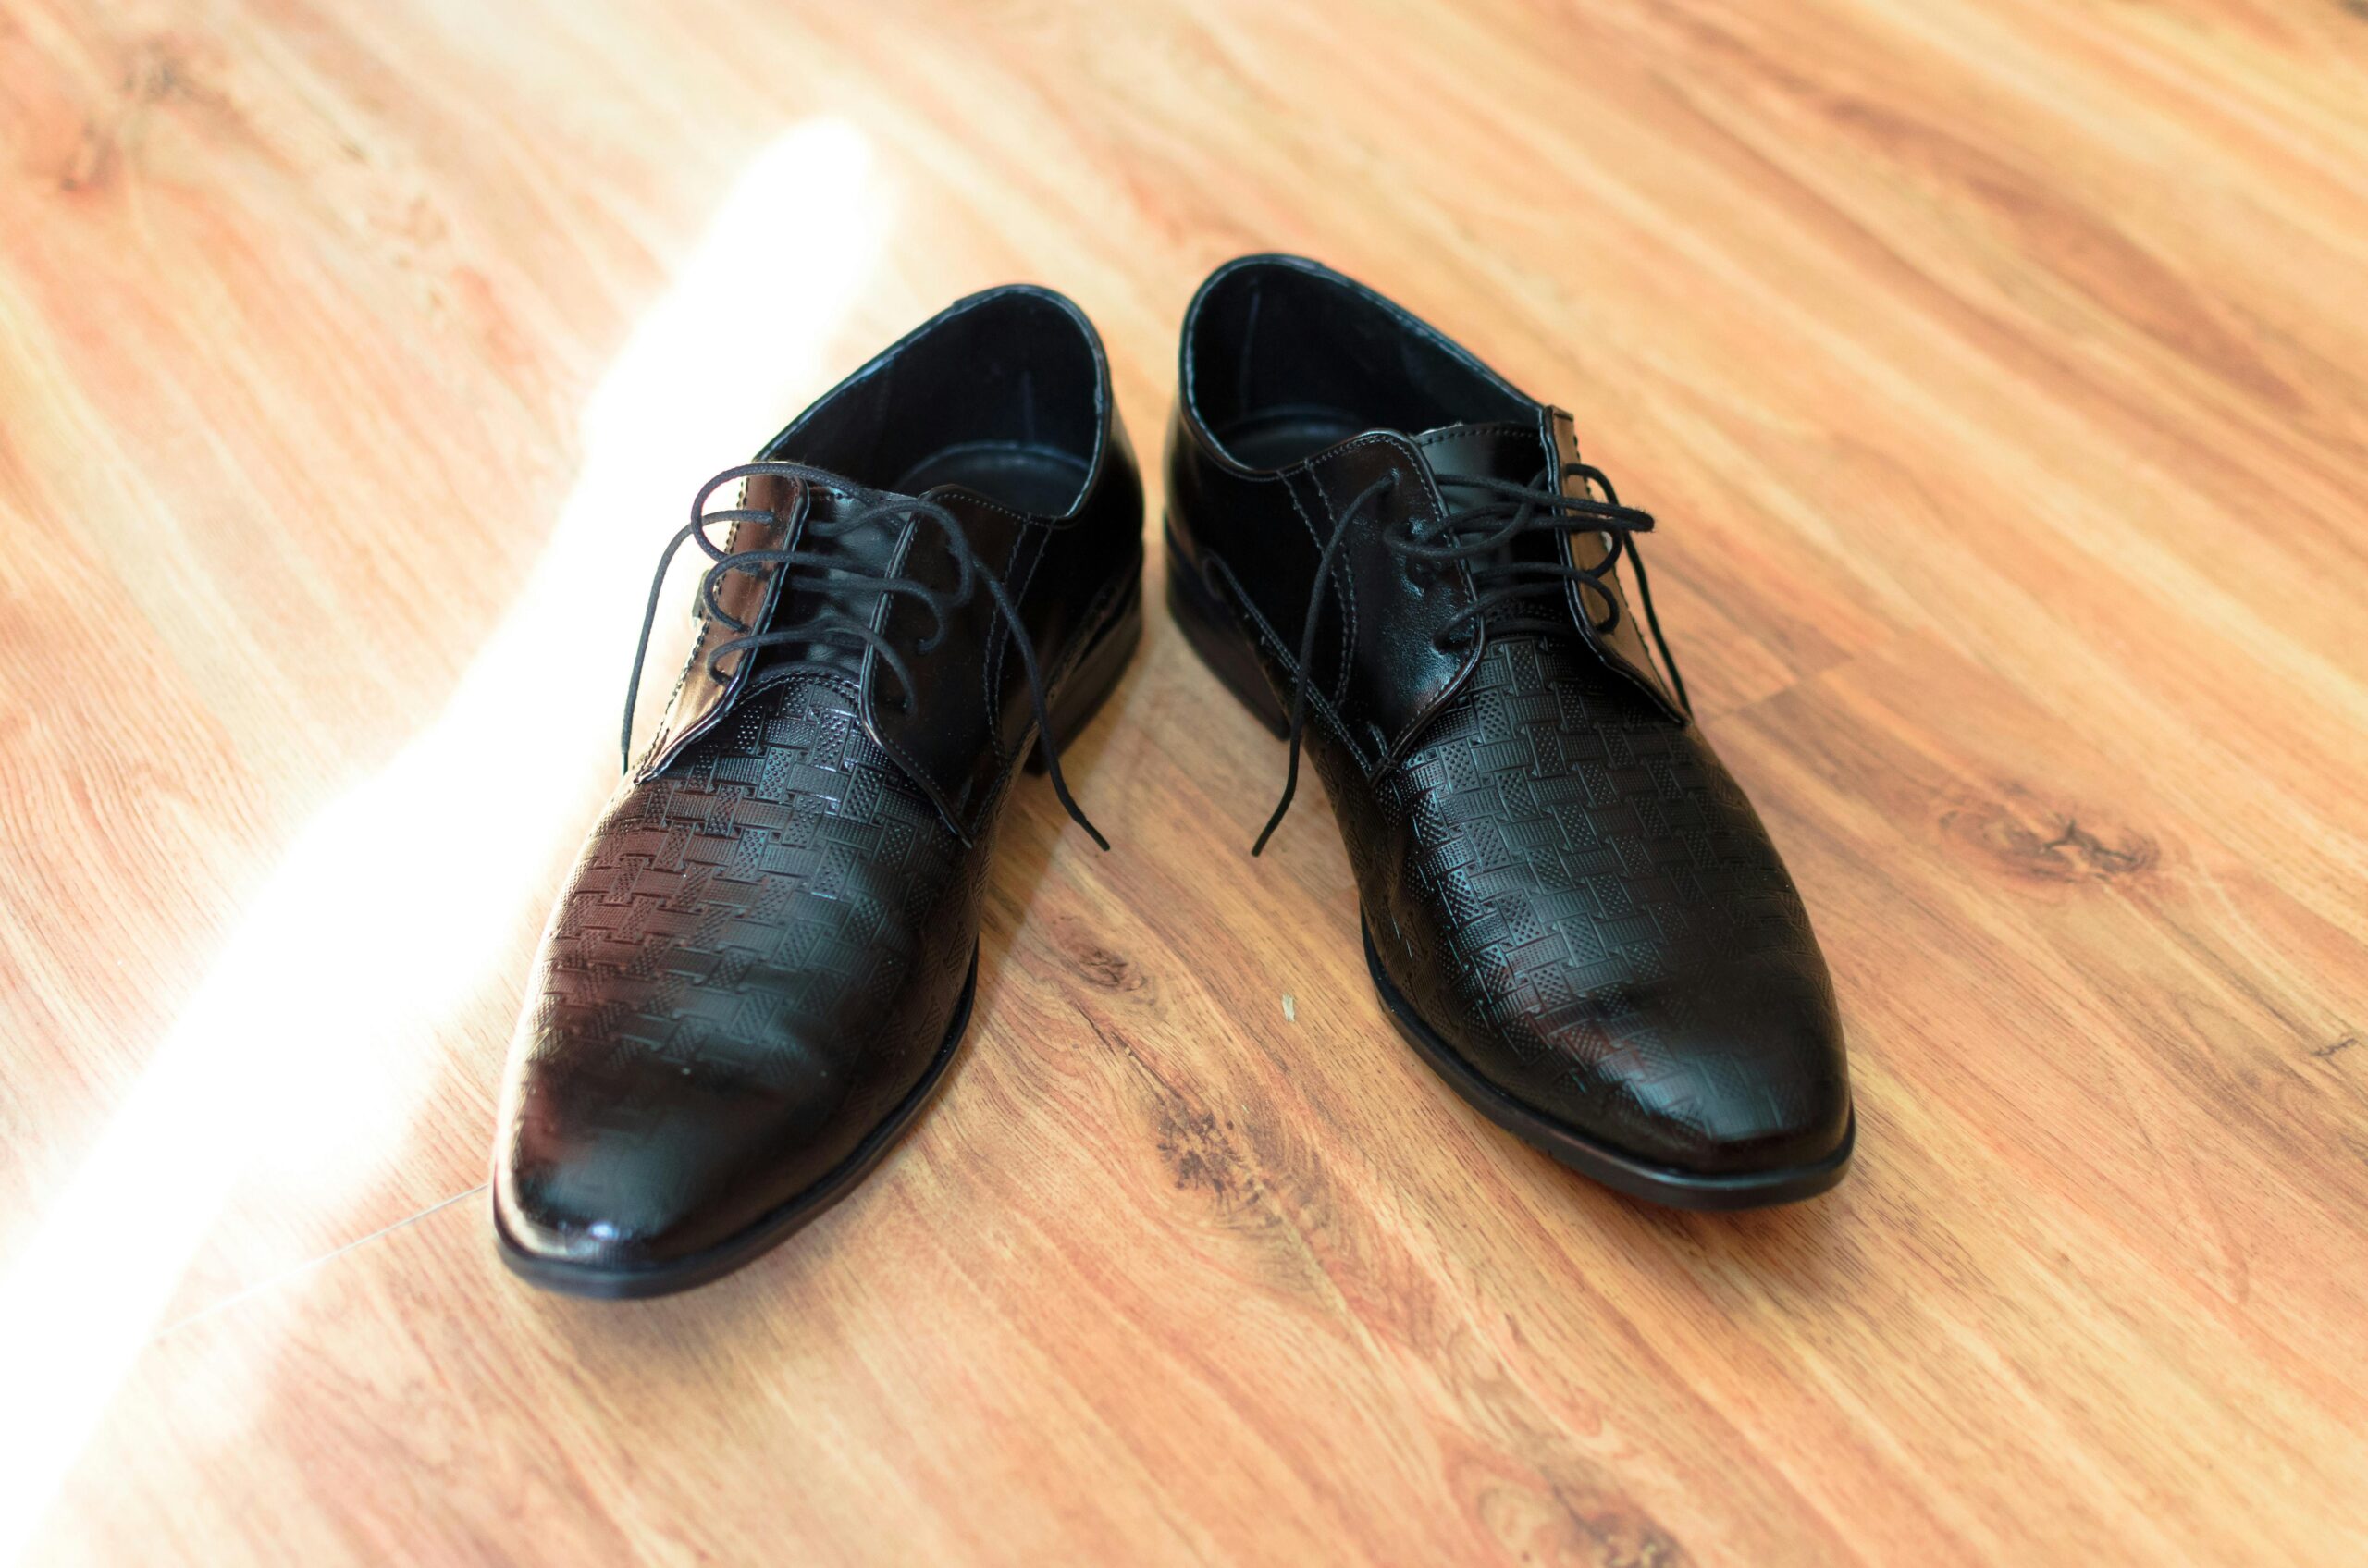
(1394, 557)
(765, 957)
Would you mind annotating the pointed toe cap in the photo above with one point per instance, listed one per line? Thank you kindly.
(622, 1171)
(1738, 1073)
(636, 1184)
(1723, 1086)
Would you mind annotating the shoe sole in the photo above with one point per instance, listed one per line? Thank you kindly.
(1213, 629)
(1080, 697)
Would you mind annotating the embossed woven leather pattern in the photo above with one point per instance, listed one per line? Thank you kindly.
(767, 910)
(1588, 906)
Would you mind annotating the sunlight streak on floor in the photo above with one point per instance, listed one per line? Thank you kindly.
(307, 1051)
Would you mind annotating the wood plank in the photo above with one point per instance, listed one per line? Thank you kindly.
(1996, 370)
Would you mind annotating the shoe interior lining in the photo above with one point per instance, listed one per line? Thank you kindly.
(1285, 362)
(999, 398)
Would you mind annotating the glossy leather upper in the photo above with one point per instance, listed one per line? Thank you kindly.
(1557, 873)
(765, 948)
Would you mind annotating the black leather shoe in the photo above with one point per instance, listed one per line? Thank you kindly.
(1394, 557)
(765, 957)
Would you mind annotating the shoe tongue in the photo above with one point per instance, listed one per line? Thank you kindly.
(866, 550)
(1508, 451)
(1515, 454)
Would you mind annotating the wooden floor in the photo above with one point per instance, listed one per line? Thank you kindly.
(1999, 371)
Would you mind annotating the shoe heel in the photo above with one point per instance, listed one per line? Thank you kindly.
(1216, 635)
(1095, 677)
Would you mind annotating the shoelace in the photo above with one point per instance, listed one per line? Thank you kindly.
(1480, 536)
(841, 586)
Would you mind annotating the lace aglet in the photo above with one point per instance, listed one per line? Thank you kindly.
(1069, 803)
(1271, 823)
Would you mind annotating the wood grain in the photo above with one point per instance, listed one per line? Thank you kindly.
(1998, 372)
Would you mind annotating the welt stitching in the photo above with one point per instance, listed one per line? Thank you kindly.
(867, 705)
(1348, 617)
(1093, 621)
(1348, 595)
(699, 647)
(1001, 635)
(1319, 703)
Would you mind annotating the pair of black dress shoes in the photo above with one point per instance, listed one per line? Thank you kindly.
(766, 958)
